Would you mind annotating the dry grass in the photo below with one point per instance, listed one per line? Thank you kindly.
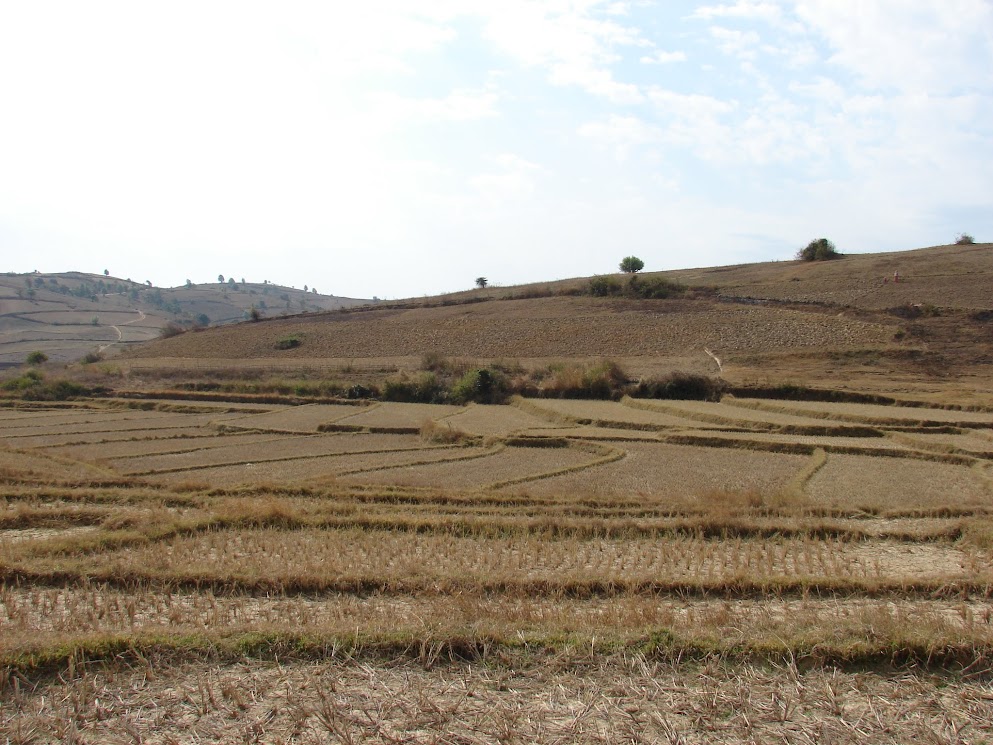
(565, 698)
(562, 551)
(877, 485)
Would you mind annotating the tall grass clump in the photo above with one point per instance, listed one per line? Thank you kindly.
(681, 385)
(423, 388)
(602, 380)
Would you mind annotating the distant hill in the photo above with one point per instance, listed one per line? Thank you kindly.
(71, 314)
(926, 313)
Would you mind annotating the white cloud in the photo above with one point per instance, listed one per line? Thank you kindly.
(909, 45)
(661, 57)
(571, 40)
(736, 43)
(389, 108)
(621, 133)
(741, 9)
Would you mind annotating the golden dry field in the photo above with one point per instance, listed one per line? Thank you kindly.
(561, 571)
(221, 537)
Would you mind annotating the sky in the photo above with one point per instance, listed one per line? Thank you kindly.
(403, 148)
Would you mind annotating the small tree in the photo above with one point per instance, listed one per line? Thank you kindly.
(202, 319)
(254, 313)
(481, 282)
(36, 358)
(964, 239)
(220, 278)
(820, 250)
(106, 272)
(631, 264)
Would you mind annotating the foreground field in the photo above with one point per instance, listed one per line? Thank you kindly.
(549, 571)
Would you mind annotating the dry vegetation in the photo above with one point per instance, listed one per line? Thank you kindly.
(199, 559)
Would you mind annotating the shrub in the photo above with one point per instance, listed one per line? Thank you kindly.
(680, 385)
(289, 342)
(90, 357)
(170, 329)
(820, 250)
(603, 380)
(32, 386)
(420, 389)
(964, 239)
(656, 288)
(604, 287)
(482, 385)
(916, 310)
(36, 358)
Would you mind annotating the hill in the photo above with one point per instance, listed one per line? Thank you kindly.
(68, 315)
(843, 322)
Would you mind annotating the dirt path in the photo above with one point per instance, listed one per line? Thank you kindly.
(120, 334)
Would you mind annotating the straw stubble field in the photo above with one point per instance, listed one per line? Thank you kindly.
(548, 571)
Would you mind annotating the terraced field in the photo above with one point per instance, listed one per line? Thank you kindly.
(550, 571)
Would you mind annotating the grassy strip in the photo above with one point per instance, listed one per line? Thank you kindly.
(359, 585)
(282, 459)
(70, 656)
(608, 455)
(797, 448)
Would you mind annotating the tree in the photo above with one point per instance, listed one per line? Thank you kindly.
(964, 239)
(36, 358)
(820, 250)
(189, 284)
(202, 320)
(220, 278)
(106, 272)
(632, 264)
(481, 282)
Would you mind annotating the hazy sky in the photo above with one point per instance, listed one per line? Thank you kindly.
(399, 148)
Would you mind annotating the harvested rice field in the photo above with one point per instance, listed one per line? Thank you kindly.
(552, 571)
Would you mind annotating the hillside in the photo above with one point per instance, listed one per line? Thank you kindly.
(68, 315)
(836, 322)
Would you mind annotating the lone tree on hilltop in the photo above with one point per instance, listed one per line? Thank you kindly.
(632, 264)
(481, 282)
(964, 239)
(820, 250)
(220, 278)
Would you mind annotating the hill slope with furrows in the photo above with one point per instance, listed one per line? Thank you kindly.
(538, 327)
(920, 314)
(71, 314)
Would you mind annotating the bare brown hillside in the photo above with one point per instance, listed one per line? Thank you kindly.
(835, 323)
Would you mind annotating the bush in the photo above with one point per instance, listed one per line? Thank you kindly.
(482, 385)
(32, 387)
(964, 239)
(419, 389)
(170, 330)
(90, 357)
(605, 287)
(820, 250)
(289, 342)
(656, 288)
(36, 358)
(604, 380)
(681, 386)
